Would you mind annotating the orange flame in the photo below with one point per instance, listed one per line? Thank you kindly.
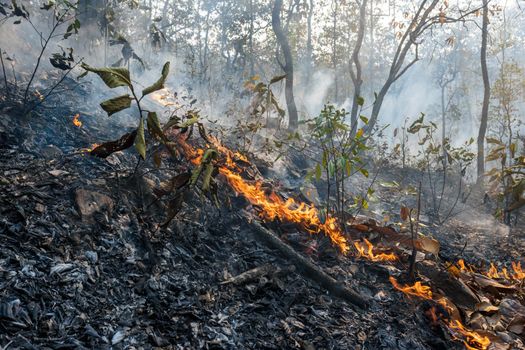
(473, 340)
(273, 207)
(418, 289)
(492, 272)
(76, 121)
(519, 273)
(89, 149)
(367, 252)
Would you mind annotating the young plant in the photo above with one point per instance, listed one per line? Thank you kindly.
(120, 77)
(437, 160)
(507, 179)
(340, 157)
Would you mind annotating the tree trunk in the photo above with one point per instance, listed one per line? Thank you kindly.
(486, 94)
(309, 46)
(282, 40)
(356, 75)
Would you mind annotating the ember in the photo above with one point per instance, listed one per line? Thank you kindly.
(76, 120)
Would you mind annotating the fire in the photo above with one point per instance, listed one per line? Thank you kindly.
(273, 207)
(76, 120)
(463, 266)
(418, 289)
(368, 253)
(519, 273)
(493, 272)
(473, 340)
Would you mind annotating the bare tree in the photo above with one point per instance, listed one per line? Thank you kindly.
(486, 93)
(282, 40)
(424, 19)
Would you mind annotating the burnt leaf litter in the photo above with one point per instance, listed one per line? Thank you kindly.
(84, 263)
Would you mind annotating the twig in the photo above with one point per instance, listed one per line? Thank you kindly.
(414, 232)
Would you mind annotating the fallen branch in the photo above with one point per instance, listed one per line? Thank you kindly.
(307, 269)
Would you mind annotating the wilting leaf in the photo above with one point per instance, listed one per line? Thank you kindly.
(154, 126)
(493, 140)
(113, 77)
(404, 213)
(207, 158)
(140, 141)
(159, 84)
(116, 104)
(106, 149)
(276, 79)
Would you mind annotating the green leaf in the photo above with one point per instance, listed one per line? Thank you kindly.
(276, 79)
(360, 101)
(140, 140)
(364, 119)
(113, 77)
(159, 84)
(154, 126)
(116, 104)
(364, 172)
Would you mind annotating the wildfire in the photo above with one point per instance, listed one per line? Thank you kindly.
(418, 289)
(473, 340)
(76, 120)
(518, 273)
(367, 252)
(273, 207)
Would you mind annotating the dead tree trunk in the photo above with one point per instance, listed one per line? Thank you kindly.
(282, 40)
(486, 94)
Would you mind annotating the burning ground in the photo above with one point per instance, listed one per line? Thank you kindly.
(85, 264)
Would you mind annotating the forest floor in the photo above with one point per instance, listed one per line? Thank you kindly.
(83, 264)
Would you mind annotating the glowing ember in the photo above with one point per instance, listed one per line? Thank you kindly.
(473, 340)
(417, 289)
(367, 252)
(76, 120)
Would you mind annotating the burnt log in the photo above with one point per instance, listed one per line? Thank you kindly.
(307, 269)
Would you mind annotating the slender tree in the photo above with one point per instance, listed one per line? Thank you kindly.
(486, 93)
(282, 41)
